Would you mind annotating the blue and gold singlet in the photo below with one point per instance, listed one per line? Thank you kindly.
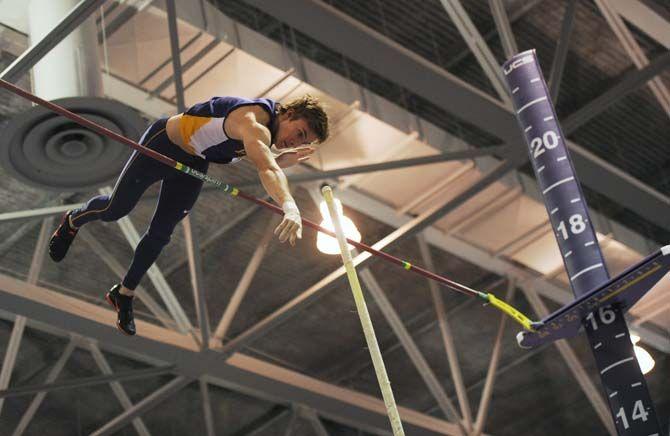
(202, 129)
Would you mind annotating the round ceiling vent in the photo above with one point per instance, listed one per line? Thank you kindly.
(44, 149)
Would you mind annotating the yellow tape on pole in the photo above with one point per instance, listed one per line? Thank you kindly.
(366, 322)
(519, 317)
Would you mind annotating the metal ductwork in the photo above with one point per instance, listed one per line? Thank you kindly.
(46, 150)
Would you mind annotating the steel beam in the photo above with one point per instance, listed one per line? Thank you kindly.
(462, 249)
(487, 391)
(36, 213)
(225, 228)
(37, 401)
(291, 423)
(104, 12)
(117, 388)
(197, 282)
(113, 264)
(652, 313)
(157, 345)
(644, 18)
(561, 52)
(166, 62)
(132, 95)
(86, 381)
(182, 68)
(20, 321)
(478, 46)
(245, 282)
(40, 250)
(264, 422)
(314, 420)
(634, 51)
(276, 83)
(630, 82)
(310, 295)
(412, 350)
(204, 72)
(516, 15)
(16, 235)
(340, 32)
(121, 19)
(434, 191)
(447, 337)
(391, 165)
(207, 408)
(154, 307)
(520, 242)
(37, 51)
(507, 367)
(143, 406)
(176, 58)
(646, 201)
(504, 28)
(388, 349)
(383, 157)
(487, 210)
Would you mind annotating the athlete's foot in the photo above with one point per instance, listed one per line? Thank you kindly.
(124, 308)
(62, 238)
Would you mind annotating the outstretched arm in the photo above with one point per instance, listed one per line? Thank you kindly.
(256, 138)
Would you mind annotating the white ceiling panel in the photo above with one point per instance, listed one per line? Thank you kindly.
(509, 223)
(479, 205)
(240, 75)
(541, 255)
(401, 186)
(357, 140)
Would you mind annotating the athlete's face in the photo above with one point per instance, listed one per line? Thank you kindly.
(293, 133)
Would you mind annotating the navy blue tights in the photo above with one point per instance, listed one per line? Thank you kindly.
(178, 194)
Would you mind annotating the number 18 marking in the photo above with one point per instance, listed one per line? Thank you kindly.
(577, 226)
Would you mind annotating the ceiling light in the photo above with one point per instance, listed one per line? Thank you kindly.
(644, 359)
(327, 244)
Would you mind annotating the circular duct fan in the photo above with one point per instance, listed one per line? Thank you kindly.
(44, 149)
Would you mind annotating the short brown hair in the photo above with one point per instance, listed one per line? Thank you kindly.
(311, 110)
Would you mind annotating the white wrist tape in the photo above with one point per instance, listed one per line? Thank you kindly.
(290, 207)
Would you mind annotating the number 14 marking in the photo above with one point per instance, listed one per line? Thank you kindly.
(639, 412)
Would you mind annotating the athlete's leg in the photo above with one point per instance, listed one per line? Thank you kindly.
(178, 195)
(138, 174)
(176, 188)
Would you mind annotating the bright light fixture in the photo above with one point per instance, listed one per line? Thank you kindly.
(327, 244)
(644, 359)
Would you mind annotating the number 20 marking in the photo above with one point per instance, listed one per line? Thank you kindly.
(549, 141)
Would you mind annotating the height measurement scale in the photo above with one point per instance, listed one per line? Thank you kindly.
(625, 387)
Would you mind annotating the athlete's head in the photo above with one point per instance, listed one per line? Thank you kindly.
(301, 122)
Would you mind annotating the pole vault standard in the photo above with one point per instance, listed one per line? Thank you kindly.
(487, 297)
(630, 404)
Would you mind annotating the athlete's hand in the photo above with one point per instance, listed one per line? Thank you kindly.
(295, 156)
(291, 226)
